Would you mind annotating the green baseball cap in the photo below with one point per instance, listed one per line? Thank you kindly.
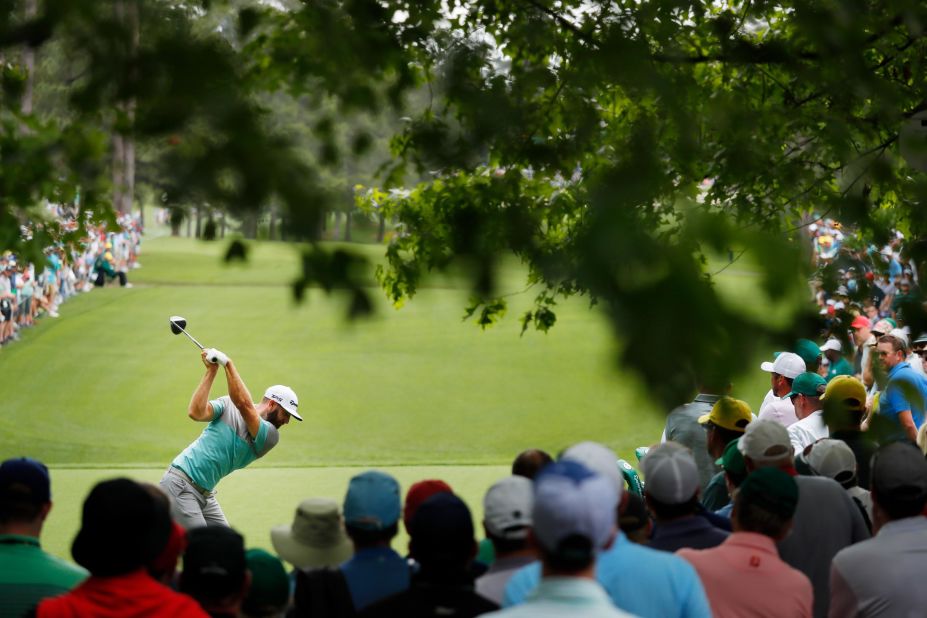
(808, 384)
(732, 460)
(808, 350)
(772, 490)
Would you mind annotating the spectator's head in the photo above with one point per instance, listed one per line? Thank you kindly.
(833, 459)
(269, 593)
(418, 493)
(529, 463)
(164, 566)
(574, 516)
(898, 483)
(809, 352)
(507, 514)
(441, 537)
(316, 538)
(783, 370)
(844, 402)
(123, 528)
(891, 350)
(599, 459)
(725, 423)
(832, 349)
(672, 482)
(765, 444)
(805, 394)
(733, 465)
(881, 328)
(371, 509)
(25, 496)
(635, 521)
(215, 572)
(765, 503)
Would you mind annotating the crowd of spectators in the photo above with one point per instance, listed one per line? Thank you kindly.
(33, 290)
(562, 538)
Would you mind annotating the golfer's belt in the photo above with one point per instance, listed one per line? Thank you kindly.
(178, 472)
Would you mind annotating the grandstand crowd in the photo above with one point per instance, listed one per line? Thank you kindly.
(811, 503)
(33, 290)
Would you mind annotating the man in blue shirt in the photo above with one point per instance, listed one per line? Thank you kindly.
(904, 396)
(239, 431)
(642, 581)
(371, 518)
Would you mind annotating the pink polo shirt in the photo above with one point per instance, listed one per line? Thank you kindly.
(744, 576)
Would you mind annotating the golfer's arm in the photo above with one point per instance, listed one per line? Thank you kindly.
(907, 423)
(242, 399)
(199, 409)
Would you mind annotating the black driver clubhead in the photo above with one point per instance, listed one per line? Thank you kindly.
(178, 324)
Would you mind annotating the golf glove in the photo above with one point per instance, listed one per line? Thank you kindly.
(214, 356)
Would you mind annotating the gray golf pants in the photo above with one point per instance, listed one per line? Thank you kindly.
(190, 507)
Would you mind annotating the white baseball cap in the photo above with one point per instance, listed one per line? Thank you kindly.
(833, 459)
(670, 473)
(287, 399)
(787, 364)
(598, 458)
(507, 507)
(832, 344)
(765, 442)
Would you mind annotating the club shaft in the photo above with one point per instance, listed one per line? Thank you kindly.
(198, 344)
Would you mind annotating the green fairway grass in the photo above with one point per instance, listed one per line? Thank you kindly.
(104, 389)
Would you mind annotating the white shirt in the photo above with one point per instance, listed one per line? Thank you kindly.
(808, 431)
(775, 409)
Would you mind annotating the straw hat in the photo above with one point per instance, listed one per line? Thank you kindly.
(316, 537)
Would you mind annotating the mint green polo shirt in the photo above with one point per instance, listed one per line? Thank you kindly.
(224, 446)
(28, 575)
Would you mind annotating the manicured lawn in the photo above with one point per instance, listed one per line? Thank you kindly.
(103, 390)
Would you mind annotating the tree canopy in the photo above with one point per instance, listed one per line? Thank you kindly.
(576, 134)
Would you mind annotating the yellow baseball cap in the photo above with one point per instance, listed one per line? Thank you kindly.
(846, 391)
(729, 413)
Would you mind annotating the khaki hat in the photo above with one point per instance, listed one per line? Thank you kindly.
(316, 537)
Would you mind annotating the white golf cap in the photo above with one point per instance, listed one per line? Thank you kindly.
(787, 364)
(832, 344)
(670, 473)
(833, 459)
(287, 399)
(507, 507)
(765, 442)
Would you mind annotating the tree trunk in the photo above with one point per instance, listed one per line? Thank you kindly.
(249, 225)
(347, 227)
(381, 228)
(189, 225)
(271, 226)
(199, 222)
(126, 13)
(31, 10)
(118, 170)
(222, 225)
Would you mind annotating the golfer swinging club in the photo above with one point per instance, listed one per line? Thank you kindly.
(238, 432)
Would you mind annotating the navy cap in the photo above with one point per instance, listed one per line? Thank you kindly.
(25, 478)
